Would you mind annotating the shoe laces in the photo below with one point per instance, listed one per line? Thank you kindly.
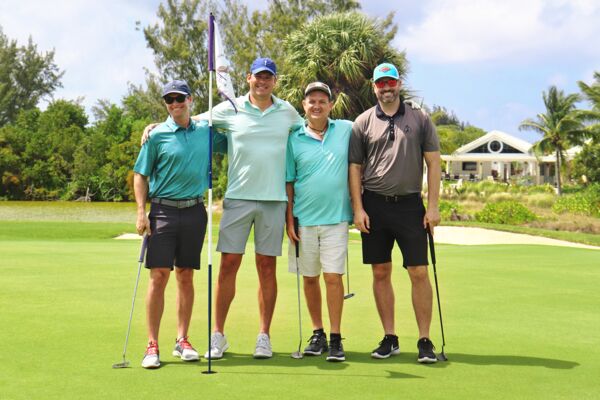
(335, 343)
(215, 339)
(426, 344)
(184, 343)
(152, 348)
(315, 338)
(263, 341)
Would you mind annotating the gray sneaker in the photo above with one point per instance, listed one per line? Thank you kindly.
(317, 344)
(263, 346)
(218, 345)
(336, 349)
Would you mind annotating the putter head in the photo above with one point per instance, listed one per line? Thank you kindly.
(442, 357)
(348, 296)
(297, 355)
(124, 364)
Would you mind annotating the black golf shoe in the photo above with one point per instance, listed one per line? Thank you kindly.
(317, 344)
(387, 347)
(336, 349)
(426, 354)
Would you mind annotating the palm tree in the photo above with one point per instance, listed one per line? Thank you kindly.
(559, 126)
(341, 50)
(592, 94)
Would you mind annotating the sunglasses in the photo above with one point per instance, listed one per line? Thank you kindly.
(180, 98)
(381, 83)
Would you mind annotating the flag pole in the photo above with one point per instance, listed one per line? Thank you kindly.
(211, 70)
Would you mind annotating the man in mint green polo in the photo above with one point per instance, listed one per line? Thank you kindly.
(172, 172)
(317, 187)
(257, 137)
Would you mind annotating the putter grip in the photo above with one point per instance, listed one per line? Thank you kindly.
(144, 247)
(296, 224)
(431, 245)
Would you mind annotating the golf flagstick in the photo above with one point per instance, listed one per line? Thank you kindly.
(442, 355)
(125, 363)
(211, 68)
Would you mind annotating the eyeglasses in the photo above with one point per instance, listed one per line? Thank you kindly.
(180, 98)
(391, 130)
(390, 82)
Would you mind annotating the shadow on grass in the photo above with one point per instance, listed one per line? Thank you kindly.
(231, 362)
(476, 359)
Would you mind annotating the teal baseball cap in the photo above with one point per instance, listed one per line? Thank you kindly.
(385, 70)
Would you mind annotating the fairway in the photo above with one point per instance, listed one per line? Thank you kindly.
(521, 322)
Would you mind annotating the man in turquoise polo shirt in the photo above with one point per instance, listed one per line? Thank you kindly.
(172, 171)
(317, 181)
(257, 137)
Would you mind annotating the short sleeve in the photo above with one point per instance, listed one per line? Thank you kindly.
(431, 141)
(356, 151)
(290, 162)
(146, 159)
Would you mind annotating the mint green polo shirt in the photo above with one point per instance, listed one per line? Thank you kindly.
(256, 143)
(176, 159)
(319, 171)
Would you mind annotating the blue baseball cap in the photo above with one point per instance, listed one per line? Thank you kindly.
(263, 64)
(177, 86)
(385, 70)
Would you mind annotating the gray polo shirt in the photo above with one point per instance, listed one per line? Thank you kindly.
(392, 167)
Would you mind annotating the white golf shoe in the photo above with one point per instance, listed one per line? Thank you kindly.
(218, 346)
(263, 346)
(184, 350)
(151, 357)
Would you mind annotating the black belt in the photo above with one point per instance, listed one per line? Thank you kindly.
(177, 203)
(394, 198)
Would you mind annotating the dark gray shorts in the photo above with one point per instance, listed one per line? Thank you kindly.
(268, 218)
(177, 236)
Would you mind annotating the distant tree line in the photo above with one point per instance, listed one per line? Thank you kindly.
(64, 153)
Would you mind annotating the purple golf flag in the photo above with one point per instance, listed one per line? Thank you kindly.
(218, 62)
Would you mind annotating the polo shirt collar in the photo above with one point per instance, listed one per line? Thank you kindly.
(173, 127)
(381, 115)
(247, 103)
(330, 125)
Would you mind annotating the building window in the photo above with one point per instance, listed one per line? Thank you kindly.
(469, 166)
(495, 146)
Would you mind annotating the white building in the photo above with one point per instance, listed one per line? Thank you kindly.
(500, 156)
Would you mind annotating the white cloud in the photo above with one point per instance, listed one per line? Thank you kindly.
(95, 43)
(492, 30)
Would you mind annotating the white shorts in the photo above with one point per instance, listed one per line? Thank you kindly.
(322, 248)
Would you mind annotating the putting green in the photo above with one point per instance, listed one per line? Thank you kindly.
(520, 322)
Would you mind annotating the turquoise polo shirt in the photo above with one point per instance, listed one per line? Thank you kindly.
(256, 143)
(319, 171)
(176, 159)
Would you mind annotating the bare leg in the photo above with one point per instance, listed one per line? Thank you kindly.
(335, 300)
(312, 292)
(225, 288)
(384, 296)
(185, 299)
(267, 289)
(155, 300)
(421, 298)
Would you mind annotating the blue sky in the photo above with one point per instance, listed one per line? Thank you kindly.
(487, 60)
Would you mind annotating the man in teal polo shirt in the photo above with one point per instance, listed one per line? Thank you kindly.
(257, 137)
(317, 181)
(175, 163)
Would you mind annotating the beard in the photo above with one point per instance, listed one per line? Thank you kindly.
(388, 96)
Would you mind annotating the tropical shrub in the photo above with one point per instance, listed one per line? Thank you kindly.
(505, 212)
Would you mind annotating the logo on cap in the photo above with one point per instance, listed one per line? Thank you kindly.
(384, 69)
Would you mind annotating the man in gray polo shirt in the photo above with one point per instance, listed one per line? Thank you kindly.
(388, 145)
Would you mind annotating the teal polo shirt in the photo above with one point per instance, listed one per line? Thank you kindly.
(256, 143)
(319, 171)
(176, 159)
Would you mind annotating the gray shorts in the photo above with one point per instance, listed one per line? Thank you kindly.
(268, 218)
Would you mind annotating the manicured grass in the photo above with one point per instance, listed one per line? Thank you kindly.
(520, 321)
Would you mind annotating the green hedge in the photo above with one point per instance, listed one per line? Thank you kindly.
(586, 202)
(505, 212)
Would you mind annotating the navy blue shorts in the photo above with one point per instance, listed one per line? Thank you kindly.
(394, 219)
(177, 236)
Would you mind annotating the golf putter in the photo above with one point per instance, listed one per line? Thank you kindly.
(441, 356)
(298, 354)
(125, 363)
(348, 295)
